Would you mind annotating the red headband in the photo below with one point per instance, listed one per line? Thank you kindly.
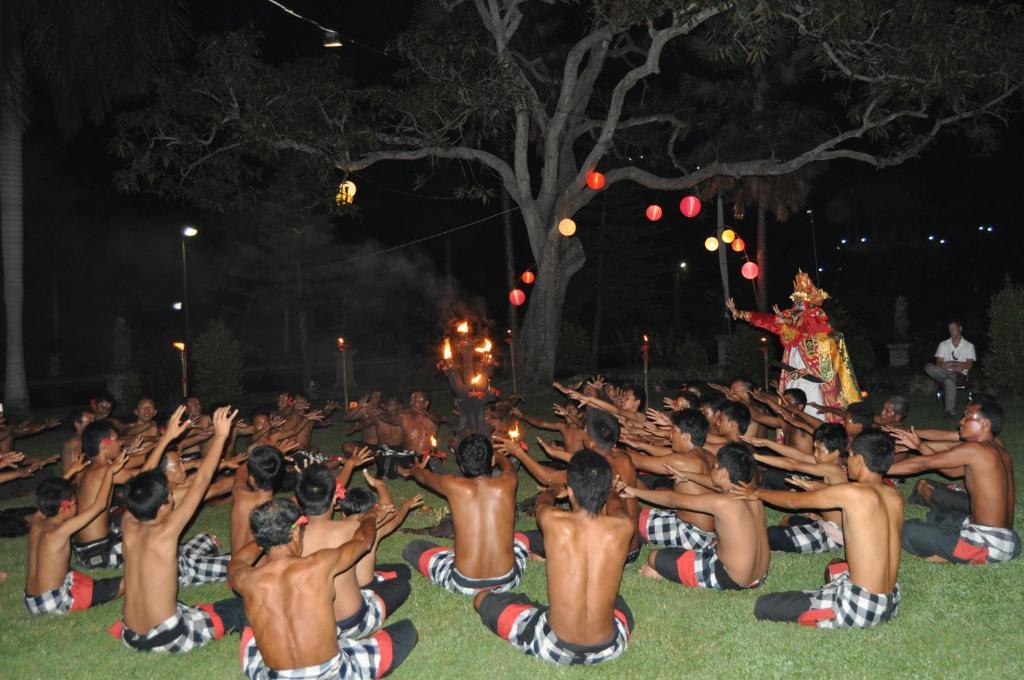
(300, 522)
(339, 492)
(65, 505)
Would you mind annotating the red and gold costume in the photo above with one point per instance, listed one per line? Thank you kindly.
(810, 345)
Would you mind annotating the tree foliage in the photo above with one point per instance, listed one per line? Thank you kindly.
(219, 365)
(1003, 364)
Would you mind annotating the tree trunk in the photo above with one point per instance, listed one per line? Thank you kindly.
(723, 263)
(510, 261)
(12, 239)
(542, 325)
(762, 246)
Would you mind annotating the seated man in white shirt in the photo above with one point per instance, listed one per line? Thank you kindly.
(953, 359)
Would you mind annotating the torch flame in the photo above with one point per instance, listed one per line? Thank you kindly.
(514, 432)
(341, 343)
(463, 327)
(645, 338)
(447, 351)
(475, 380)
(484, 348)
(433, 442)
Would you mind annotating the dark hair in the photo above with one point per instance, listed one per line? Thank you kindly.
(861, 414)
(51, 492)
(737, 460)
(877, 449)
(261, 411)
(77, 415)
(640, 394)
(475, 456)
(799, 396)
(94, 433)
(713, 399)
(145, 494)
(748, 384)
(272, 522)
(602, 428)
(832, 436)
(900, 405)
(145, 397)
(692, 422)
(315, 490)
(590, 478)
(956, 320)
(266, 467)
(990, 410)
(357, 501)
(737, 413)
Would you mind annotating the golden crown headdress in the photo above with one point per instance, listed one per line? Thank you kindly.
(805, 290)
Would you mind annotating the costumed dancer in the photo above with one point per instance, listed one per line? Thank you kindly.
(814, 358)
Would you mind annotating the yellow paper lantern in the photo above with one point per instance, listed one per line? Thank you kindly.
(566, 227)
(711, 243)
(728, 236)
(346, 193)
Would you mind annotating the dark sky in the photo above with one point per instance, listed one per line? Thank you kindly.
(97, 254)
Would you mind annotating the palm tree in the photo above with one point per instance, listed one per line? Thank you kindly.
(87, 57)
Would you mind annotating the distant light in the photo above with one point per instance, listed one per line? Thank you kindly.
(838, 248)
(821, 269)
(981, 227)
(990, 228)
(863, 239)
(176, 306)
(942, 241)
(331, 39)
(189, 231)
(178, 345)
(931, 237)
(843, 241)
(682, 265)
(809, 211)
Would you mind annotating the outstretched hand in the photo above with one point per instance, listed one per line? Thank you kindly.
(623, 489)
(176, 424)
(730, 304)
(11, 459)
(360, 457)
(222, 421)
(908, 438)
(757, 442)
(806, 484)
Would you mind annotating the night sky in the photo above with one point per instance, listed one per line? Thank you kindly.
(93, 254)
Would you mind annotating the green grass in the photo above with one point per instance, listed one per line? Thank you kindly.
(954, 620)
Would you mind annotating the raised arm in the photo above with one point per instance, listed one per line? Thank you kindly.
(241, 564)
(183, 512)
(955, 457)
(554, 452)
(359, 457)
(348, 553)
(176, 426)
(423, 476)
(538, 423)
(102, 500)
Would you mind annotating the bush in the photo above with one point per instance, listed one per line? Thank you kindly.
(744, 357)
(1003, 364)
(689, 359)
(574, 349)
(219, 366)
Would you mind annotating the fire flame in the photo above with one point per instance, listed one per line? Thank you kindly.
(352, 405)
(341, 343)
(433, 442)
(447, 351)
(514, 432)
(484, 348)
(645, 338)
(475, 380)
(463, 327)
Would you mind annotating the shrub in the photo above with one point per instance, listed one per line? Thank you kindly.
(1003, 364)
(219, 365)
(574, 349)
(689, 358)
(744, 357)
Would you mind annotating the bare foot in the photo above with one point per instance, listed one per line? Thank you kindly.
(647, 571)
(537, 558)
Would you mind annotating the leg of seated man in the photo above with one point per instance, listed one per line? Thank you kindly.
(437, 564)
(967, 544)
(699, 568)
(523, 624)
(187, 629)
(664, 528)
(103, 553)
(386, 571)
(380, 600)
(801, 538)
(199, 562)
(948, 380)
(77, 593)
(535, 542)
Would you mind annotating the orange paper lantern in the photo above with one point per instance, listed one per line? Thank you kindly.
(749, 270)
(739, 245)
(567, 227)
(595, 180)
(528, 277)
(517, 297)
(690, 206)
(653, 212)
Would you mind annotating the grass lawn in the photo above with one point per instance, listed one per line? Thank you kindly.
(954, 620)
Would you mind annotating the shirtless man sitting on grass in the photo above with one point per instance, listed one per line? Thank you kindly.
(587, 621)
(488, 553)
(51, 587)
(153, 619)
(862, 591)
(739, 559)
(292, 631)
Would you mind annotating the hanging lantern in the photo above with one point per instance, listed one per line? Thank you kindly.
(567, 227)
(711, 243)
(346, 193)
(728, 236)
(739, 245)
(528, 277)
(690, 206)
(517, 297)
(653, 212)
(595, 180)
(749, 270)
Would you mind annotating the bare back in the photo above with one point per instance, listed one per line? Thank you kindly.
(243, 500)
(483, 512)
(585, 558)
(989, 481)
(150, 572)
(326, 533)
(742, 539)
(90, 483)
(49, 556)
(872, 525)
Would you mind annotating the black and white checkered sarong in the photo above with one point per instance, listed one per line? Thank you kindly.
(57, 601)
(187, 629)
(372, 618)
(664, 528)
(437, 563)
(811, 538)
(355, 659)
(842, 604)
(199, 562)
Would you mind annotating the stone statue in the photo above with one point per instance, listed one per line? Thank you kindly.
(901, 321)
(122, 345)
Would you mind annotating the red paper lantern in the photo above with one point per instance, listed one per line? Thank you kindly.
(517, 297)
(690, 206)
(749, 270)
(528, 277)
(654, 212)
(595, 180)
(739, 245)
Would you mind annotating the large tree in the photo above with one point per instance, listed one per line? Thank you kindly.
(577, 82)
(82, 58)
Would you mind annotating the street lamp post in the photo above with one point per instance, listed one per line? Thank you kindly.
(814, 245)
(675, 295)
(187, 232)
